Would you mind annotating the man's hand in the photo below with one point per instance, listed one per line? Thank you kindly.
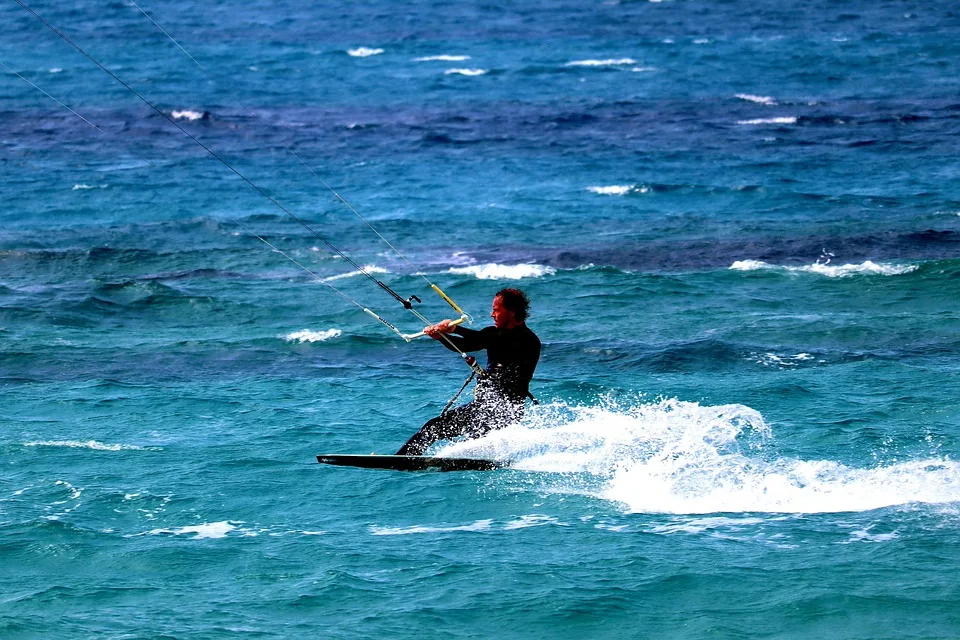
(442, 327)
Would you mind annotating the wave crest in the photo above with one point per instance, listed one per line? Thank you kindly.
(306, 335)
(495, 271)
(829, 270)
(364, 52)
(442, 58)
(87, 444)
(608, 62)
(465, 72)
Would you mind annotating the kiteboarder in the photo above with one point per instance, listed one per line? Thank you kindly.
(512, 354)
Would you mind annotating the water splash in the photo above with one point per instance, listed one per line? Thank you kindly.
(680, 457)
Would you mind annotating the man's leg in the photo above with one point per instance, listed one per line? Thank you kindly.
(490, 417)
(450, 425)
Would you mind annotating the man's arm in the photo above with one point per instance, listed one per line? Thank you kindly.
(457, 337)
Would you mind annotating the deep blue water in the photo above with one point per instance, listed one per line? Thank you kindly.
(738, 223)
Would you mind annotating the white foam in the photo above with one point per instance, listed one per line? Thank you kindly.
(780, 120)
(609, 62)
(442, 58)
(187, 114)
(757, 99)
(616, 189)
(206, 530)
(868, 268)
(56, 70)
(84, 187)
(534, 520)
(87, 444)
(774, 360)
(369, 268)
(683, 458)
(74, 492)
(751, 265)
(830, 270)
(364, 52)
(787, 486)
(479, 525)
(504, 271)
(864, 535)
(465, 72)
(306, 335)
(699, 525)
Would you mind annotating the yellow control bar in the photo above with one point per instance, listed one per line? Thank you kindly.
(413, 336)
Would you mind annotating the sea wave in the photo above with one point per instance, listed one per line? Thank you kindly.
(442, 58)
(88, 444)
(608, 62)
(757, 99)
(364, 52)
(681, 457)
(779, 120)
(369, 268)
(495, 271)
(771, 359)
(205, 530)
(830, 270)
(522, 522)
(479, 525)
(617, 189)
(306, 335)
(187, 114)
(465, 72)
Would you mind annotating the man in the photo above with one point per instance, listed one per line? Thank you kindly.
(512, 354)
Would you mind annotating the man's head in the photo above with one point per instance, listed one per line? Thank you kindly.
(510, 308)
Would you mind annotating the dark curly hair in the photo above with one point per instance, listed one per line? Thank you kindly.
(516, 301)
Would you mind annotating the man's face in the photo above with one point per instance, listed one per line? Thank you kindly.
(502, 317)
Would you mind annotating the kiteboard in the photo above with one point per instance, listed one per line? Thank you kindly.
(411, 463)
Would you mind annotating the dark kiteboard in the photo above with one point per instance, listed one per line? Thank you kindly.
(411, 463)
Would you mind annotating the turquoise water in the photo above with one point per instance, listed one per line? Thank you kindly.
(738, 226)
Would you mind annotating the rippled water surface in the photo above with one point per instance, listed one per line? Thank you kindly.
(739, 226)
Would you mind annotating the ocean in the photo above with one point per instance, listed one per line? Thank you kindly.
(739, 227)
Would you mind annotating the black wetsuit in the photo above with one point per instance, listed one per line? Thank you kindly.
(512, 355)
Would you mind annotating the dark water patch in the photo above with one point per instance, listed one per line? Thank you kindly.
(666, 123)
(199, 274)
(574, 119)
(110, 297)
(342, 358)
(697, 355)
(682, 254)
(445, 139)
(790, 390)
